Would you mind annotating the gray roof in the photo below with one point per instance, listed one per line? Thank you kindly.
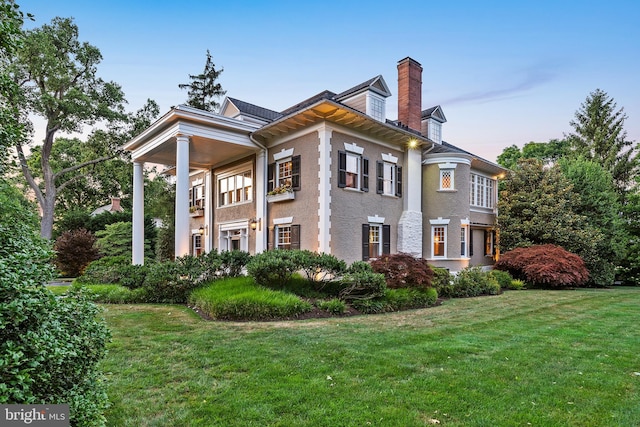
(364, 85)
(327, 94)
(254, 110)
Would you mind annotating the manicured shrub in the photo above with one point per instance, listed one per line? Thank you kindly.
(333, 306)
(441, 280)
(105, 270)
(273, 269)
(362, 286)
(545, 265)
(503, 278)
(471, 282)
(233, 263)
(360, 267)
(170, 282)
(133, 276)
(403, 271)
(398, 299)
(320, 269)
(74, 251)
(241, 298)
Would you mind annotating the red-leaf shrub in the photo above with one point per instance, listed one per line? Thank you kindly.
(75, 249)
(545, 265)
(404, 271)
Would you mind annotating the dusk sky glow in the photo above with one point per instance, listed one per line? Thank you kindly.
(504, 72)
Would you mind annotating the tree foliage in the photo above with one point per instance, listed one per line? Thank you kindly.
(203, 89)
(547, 152)
(74, 251)
(599, 135)
(404, 271)
(538, 205)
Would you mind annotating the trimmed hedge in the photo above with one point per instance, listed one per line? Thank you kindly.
(470, 282)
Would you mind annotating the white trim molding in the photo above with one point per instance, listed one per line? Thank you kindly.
(439, 221)
(375, 219)
(353, 148)
(282, 221)
(389, 158)
(283, 154)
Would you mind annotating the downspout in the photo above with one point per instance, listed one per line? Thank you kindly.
(261, 232)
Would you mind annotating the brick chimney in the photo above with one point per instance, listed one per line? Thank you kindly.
(410, 93)
(115, 205)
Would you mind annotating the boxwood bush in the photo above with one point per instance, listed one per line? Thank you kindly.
(471, 282)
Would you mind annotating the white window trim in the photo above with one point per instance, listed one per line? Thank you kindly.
(353, 148)
(283, 221)
(375, 220)
(378, 226)
(276, 243)
(440, 221)
(465, 227)
(283, 154)
(370, 99)
(390, 158)
(358, 157)
(452, 178)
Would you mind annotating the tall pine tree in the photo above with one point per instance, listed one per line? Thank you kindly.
(203, 89)
(600, 136)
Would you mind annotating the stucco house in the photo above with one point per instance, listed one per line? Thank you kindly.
(330, 174)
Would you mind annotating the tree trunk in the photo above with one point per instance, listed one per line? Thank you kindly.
(48, 209)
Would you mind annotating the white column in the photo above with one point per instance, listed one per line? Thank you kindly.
(138, 214)
(261, 200)
(183, 234)
(324, 190)
(208, 212)
(410, 224)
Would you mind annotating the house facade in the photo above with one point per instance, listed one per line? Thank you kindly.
(330, 174)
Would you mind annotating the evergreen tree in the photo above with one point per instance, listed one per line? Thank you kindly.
(600, 136)
(203, 89)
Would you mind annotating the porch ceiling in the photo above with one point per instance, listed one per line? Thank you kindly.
(213, 139)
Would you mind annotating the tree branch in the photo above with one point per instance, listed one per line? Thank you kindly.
(82, 165)
(70, 181)
(28, 175)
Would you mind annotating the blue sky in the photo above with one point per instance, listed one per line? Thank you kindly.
(504, 72)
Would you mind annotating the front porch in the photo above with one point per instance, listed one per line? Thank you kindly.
(189, 139)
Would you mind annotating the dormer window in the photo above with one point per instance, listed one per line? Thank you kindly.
(375, 106)
(435, 131)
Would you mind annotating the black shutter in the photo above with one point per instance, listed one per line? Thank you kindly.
(271, 180)
(295, 236)
(271, 237)
(365, 174)
(191, 197)
(379, 177)
(386, 239)
(494, 243)
(342, 169)
(470, 242)
(295, 173)
(365, 242)
(399, 181)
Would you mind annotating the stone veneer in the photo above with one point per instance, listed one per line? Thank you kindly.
(410, 233)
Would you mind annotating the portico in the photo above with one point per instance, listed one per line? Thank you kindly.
(190, 139)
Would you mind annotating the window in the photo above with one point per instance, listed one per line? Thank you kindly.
(196, 196)
(446, 179)
(235, 188)
(287, 236)
(376, 240)
(463, 241)
(482, 191)
(439, 234)
(285, 173)
(353, 171)
(197, 244)
(389, 179)
(376, 108)
(489, 243)
(435, 131)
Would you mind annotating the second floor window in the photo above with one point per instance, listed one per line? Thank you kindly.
(353, 171)
(235, 188)
(389, 179)
(196, 196)
(482, 191)
(284, 173)
(446, 179)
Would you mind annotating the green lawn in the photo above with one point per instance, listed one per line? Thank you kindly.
(540, 358)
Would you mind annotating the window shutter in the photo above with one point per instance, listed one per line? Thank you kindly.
(386, 239)
(342, 169)
(295, 236)
(379, 177)
(191, 197)
(470, 242)
(295, 173)
(271, 237)
(365, 174)
(365, 242)
(271, 169)
(399, 181)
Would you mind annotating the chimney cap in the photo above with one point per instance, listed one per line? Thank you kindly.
(410, 59)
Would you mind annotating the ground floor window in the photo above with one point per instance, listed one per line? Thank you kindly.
(286, 236)
(196, 244)
(439, 235)
(376, 240)
(235, 239)
(463, 242)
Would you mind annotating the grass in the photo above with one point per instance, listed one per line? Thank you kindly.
(240, 298)
(541, 358)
